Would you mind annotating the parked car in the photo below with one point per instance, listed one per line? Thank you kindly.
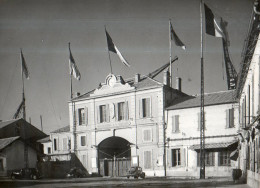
(76, 173)
(135, 172)
(26, 173)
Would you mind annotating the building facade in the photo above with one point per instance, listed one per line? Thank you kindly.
(121, 124)
(183, 135)
(248, 92)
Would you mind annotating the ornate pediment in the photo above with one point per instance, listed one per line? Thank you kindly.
(112, 84)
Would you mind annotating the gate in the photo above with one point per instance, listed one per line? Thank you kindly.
(119, 167)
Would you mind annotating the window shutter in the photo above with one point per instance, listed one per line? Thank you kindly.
(98, 114)
(183, 157)
(86, 115)
(116, 111)
(227, 118)
(231, 116)
(169, 157)
(107, 113)
(148, 107)
(141, 108)
(173, 124)
(77, 116)
(126, 111)
(176, 123)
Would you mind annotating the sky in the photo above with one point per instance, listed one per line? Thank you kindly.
(140, 30)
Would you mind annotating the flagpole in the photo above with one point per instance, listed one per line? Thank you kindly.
(109, 54)
(70, 75)
(170, 52)
(202, 120)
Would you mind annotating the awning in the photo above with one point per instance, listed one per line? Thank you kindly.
(213, 145)
(234, 155)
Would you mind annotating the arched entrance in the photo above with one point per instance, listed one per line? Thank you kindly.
(114, 156)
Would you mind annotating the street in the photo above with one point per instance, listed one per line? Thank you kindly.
(123, 182)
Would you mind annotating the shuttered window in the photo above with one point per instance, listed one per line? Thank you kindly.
(81, 116)
(209, 159)
(230, 118)
(65, 144)
(83, 140)
(147, 135)
(175, 123)
(102, 112)
(145, 110)
(178, 157)
(224, 158)
(121, 111)
(147, 159)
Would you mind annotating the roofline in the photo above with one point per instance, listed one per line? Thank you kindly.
(204, 105)
(117, 93)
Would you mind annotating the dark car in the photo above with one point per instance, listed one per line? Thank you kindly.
(76, 173)
(26, 173)
(135, 172)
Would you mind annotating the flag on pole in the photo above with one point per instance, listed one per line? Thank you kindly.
(213, 23)
(176, 39)
(112, 47)
(73, 67)
(24, 66)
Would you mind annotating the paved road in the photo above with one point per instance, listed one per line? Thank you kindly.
(122, 182)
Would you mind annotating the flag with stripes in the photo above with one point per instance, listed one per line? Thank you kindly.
(112, 47)
(213, 23)
(176, 39)
(24, 66)
(73, 67)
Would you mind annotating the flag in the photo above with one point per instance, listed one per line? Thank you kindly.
(73, 67)
(24, 67)
(112, 47)
(176, 39)
(213, 23)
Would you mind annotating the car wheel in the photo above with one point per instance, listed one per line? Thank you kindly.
(12, 177)
(128, 177)
(136, 177)
(34, 177)
(143, 176)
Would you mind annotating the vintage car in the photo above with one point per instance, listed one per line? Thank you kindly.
(135, 172)
(26, 173)
(76, 173)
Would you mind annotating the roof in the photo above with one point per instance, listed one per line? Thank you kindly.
(63, 129)
(44, 140)
(144, 83)
(7, 141)
(213, 145)
(8, 122)
(222, 97)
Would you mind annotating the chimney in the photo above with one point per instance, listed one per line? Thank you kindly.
(137, 78)
(166, 78)
(178, 83)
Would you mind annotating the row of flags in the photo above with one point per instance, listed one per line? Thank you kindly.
(213, 27)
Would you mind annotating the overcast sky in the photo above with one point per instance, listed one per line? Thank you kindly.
(139, 28)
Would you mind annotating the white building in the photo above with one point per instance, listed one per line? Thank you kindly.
(183, 135)
(248, 93)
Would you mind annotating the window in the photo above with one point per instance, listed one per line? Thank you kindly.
(176, 157)
(55, 144)
(145, 108)
(49, 150)
(1, 165)
(230, 118)
(209, 159)
(200, 122)
(121, 111)
(224, 158)
(175, 123)
(83, 140)
(147, 135)
(103, 115)
(81, 112)
(65, 144)
(147, 159)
